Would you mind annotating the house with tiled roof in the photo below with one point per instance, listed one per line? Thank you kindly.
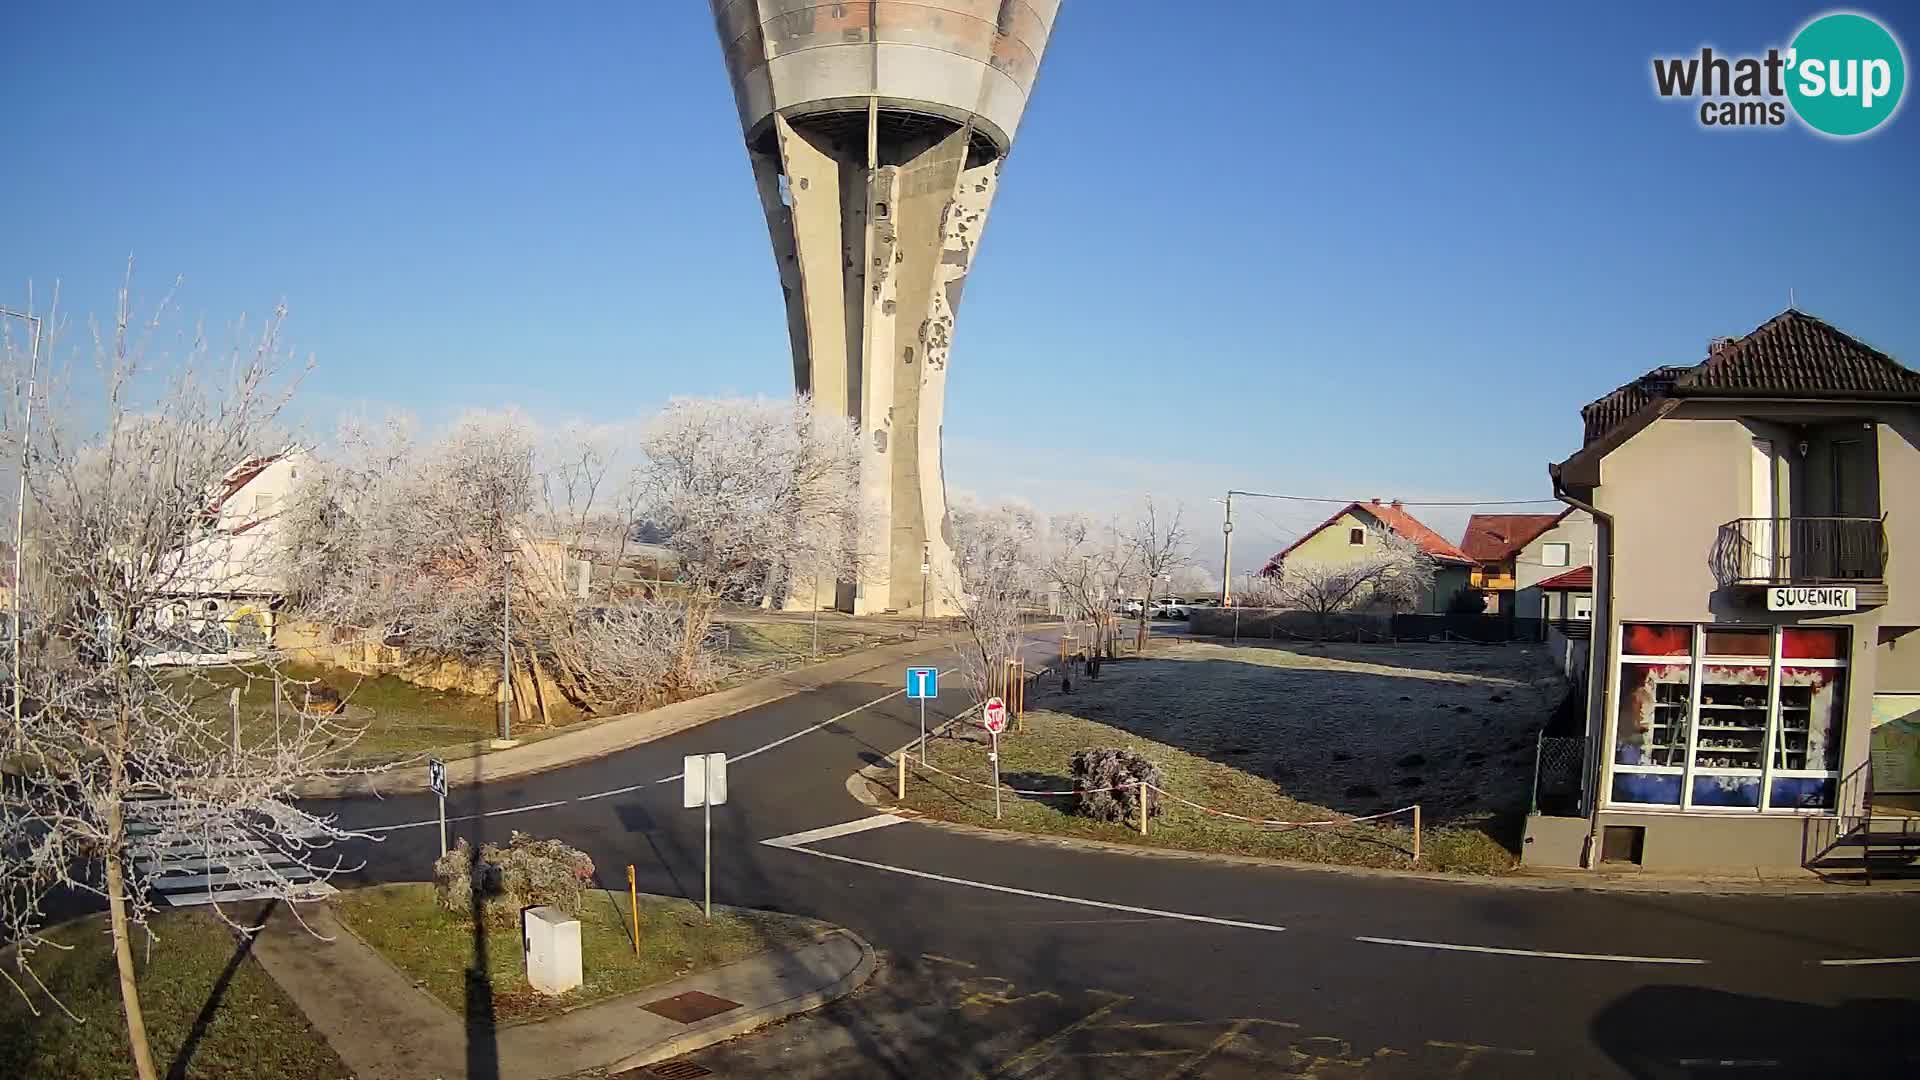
(1495, 541)
(1755, 597)
(1354, 533)
(225, 582)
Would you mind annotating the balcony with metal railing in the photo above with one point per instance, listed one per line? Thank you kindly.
(1811, 551)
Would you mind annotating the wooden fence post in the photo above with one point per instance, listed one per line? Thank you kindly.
(1140, 790)
(1416, 832)
(901, 788)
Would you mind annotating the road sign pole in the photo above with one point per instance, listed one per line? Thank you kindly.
(437, 782)
(995, 754)
(923, 729)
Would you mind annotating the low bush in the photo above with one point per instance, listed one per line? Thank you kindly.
(1098, 776)
(504, 880)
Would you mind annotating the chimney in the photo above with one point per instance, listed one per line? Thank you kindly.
(1395, 504)
(1376, 502)
(1718, 345)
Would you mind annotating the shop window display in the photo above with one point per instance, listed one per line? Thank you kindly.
(1730, 737)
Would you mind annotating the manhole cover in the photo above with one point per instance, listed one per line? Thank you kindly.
(679, 1070)
(690, 1007)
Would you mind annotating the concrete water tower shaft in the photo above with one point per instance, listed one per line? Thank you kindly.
(876, 132)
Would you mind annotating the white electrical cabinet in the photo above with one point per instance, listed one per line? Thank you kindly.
(552, 939)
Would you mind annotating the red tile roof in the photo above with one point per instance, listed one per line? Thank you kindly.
(1792, 354)
(1393, 517)
(1578, 579)
(1493, 537)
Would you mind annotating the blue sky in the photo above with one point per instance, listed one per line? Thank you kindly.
(1352, 250)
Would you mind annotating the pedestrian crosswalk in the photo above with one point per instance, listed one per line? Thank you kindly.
(186, 863)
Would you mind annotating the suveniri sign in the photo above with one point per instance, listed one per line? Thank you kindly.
(1811, 598)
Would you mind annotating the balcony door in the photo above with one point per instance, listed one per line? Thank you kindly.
(1855, 495)
(1764, 505)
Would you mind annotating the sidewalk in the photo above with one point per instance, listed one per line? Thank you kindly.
(385, 1028)
(595, 739)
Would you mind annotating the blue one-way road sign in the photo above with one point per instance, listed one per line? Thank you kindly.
(923, 682)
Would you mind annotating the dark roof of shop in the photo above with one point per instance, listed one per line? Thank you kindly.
(1792, 355)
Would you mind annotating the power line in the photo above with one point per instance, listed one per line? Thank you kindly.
(1280, 532)
(1344, 502)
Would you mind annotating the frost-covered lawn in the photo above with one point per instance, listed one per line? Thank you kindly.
(1289, 732)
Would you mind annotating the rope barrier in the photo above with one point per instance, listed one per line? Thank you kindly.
(1276, 822)
(1269, 823)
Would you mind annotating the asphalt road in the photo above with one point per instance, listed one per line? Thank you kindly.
(1018, 959)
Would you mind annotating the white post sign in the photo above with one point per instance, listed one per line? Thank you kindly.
(994, 718)
(704, 784)
(437, 782)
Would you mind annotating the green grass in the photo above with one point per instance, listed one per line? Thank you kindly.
(1291, 734)
(436, 948)
(406, 719)
(252, 1031)
(763, 642)
(1037, 758)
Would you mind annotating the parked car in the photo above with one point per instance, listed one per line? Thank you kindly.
(1133, 605)
(1170, 607)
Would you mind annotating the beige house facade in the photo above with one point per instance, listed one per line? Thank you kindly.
(1355, 533)
(1567, 544)
(1755, 604)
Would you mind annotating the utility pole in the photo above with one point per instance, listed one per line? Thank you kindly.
(20, 504)
(1226, 556)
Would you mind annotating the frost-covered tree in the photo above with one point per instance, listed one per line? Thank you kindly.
(1087, 561)
(997, 553)
(748, 494)
(1394, 573)
(1159, 544)
(449, 546)
(125, 479)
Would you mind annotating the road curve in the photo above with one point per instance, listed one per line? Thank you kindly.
(1106, 964)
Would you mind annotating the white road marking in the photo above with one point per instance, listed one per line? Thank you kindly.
(782, 741)
(1032, 894)
(466, 817)
(1531, 952)
(615, 791)
(845, 828)
(1871, 961)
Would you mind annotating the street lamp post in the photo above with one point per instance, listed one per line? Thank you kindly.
(926, 571)
(20, 502)
(506, 649)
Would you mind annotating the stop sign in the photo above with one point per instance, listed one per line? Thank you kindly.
(995, 715)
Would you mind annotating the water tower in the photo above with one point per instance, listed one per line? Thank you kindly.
(876, 131)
